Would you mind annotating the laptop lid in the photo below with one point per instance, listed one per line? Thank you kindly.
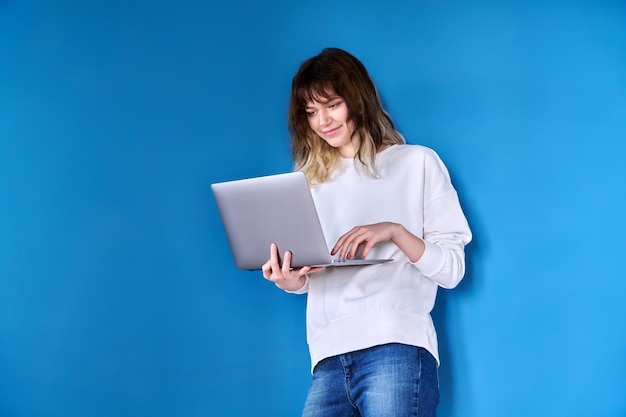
(257, 212)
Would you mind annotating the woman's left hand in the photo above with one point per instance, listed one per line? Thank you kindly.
(361, 239)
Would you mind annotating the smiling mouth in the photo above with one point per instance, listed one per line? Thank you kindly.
(331, 131)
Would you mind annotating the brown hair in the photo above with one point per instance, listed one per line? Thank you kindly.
(334, 72)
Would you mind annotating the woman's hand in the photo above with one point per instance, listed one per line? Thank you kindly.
(282, 275)
(361, 239)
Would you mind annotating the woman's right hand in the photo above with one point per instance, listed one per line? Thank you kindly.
(282, 275)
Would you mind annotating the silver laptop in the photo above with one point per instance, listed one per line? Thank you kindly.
(257, 212)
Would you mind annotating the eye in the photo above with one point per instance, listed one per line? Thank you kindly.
(310, 113)
(335, 104)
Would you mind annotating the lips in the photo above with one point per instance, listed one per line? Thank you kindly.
(331, 132)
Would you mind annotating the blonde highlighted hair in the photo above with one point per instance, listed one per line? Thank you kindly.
(335, 72)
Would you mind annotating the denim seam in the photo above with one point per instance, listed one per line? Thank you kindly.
(420, 362)
(346, 381)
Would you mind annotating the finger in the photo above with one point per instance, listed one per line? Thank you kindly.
(312, 269)
(342, 240)
(368, 242)
(343, 253)
(267, 270)
(309, 270)
(365, 249)
(347, 247)
(353, 246)
(286, 268)
(343, 245)
(274, 259)
(337, 246)
(356, 249)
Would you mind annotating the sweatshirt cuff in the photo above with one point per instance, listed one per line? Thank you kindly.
(431, 261)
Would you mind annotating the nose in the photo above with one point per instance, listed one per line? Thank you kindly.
(324, 118)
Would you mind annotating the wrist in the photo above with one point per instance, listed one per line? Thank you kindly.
(295, 285)
(397, 231)
(412, 246)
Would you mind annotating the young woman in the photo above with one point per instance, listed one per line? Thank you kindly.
(372, 341)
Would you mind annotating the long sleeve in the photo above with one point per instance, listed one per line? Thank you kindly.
(446, 231)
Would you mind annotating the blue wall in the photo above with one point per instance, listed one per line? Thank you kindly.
(118, 296)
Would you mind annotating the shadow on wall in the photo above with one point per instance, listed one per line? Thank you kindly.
(451, 330)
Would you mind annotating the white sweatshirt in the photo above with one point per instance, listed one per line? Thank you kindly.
(353, 308)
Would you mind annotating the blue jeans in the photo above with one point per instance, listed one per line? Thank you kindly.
(392, 380)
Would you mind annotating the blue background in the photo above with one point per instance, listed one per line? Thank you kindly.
(118, 294)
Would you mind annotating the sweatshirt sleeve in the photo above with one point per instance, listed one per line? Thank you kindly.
(446, 231)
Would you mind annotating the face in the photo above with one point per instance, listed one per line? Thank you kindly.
(329, 119)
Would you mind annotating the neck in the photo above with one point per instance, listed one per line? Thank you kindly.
(349, 151)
